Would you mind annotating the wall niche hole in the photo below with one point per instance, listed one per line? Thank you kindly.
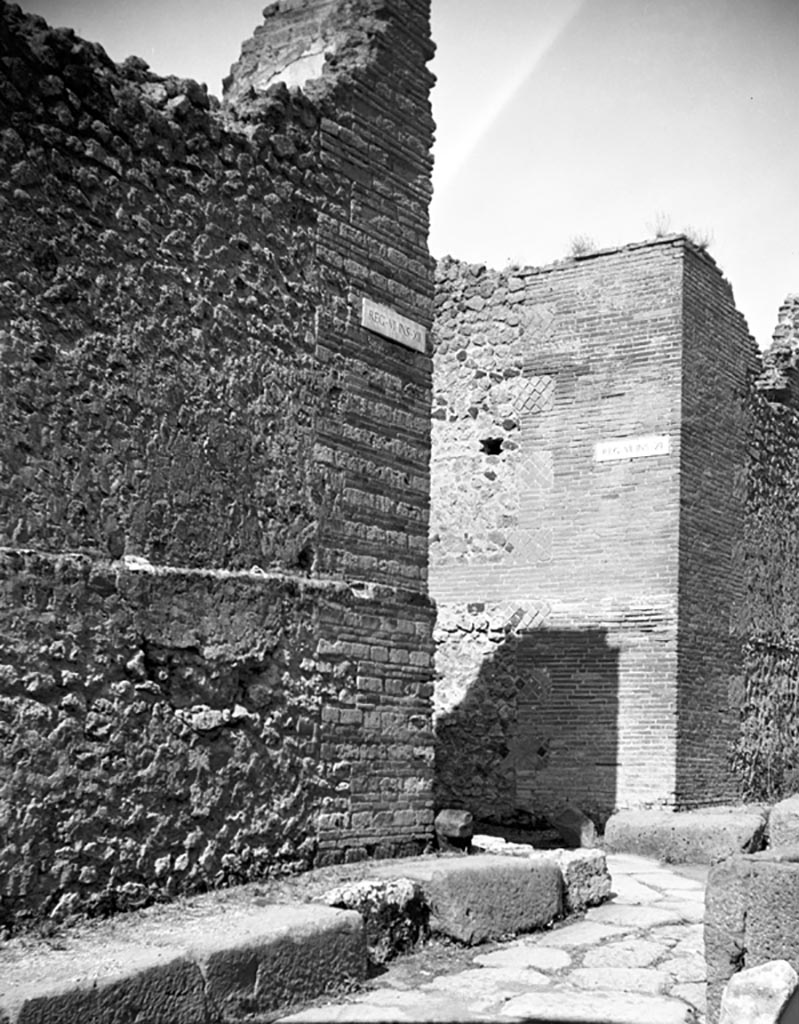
(306, 559)
(491, 445)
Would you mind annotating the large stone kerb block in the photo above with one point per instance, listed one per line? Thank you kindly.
(687, 837)
(751, 917)
(473, 902)
(473, 899)
(783, 822)
(214, 966)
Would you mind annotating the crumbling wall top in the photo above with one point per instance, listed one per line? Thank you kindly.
(315, 45)
(780, 378)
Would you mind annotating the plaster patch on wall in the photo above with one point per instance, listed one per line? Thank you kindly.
(304, 69)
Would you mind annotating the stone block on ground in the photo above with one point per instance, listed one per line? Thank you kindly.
(213, 964)
(454, 829)
(586, 879)
(497, 896)
(574, 828)
(498, 845)
(393, 909)
(687, 837)
(725, 903)
(167, 992)
(474, 899)
(761, 995)
(751, 917)
(783, 823)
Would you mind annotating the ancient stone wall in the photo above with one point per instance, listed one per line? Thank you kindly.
(766, 752)
(779, 380)
(588, 422)
(216, 640)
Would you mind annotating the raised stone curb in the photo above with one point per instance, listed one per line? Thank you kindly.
(396, 910)
(586, 879)
(477, 898)
(687, 837)
(393, 909)
(750, 917)
(783, 823)
(242, 963)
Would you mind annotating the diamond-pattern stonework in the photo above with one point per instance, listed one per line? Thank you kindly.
(536, 395)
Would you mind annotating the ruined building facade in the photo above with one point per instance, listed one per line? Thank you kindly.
(216, 482)
(590, 435)
(215, 636)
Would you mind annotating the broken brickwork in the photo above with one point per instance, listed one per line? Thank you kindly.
(589, 430)
(216, 641)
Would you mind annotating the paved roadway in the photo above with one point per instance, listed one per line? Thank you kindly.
(636, 960)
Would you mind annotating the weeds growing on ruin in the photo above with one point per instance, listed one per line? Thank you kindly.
(702, 238)
(582, 245)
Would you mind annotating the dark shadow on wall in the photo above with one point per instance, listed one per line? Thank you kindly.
(535, 729)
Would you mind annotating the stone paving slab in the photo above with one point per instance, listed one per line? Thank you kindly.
(518, 957)
(582, 933)
(630, 952)
(630, 890)
(629, 915)
(621, 979)
(573, 1007)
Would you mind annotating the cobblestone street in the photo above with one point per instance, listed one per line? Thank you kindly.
(638, 958)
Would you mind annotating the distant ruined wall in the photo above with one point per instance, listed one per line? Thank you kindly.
(719, 366)
(215, 639)
(766, 752)
(587, 506)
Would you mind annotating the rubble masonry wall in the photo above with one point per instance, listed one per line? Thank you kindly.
(766, 754)
(215, 653)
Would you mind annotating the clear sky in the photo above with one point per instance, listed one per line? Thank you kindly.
(566, 118)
